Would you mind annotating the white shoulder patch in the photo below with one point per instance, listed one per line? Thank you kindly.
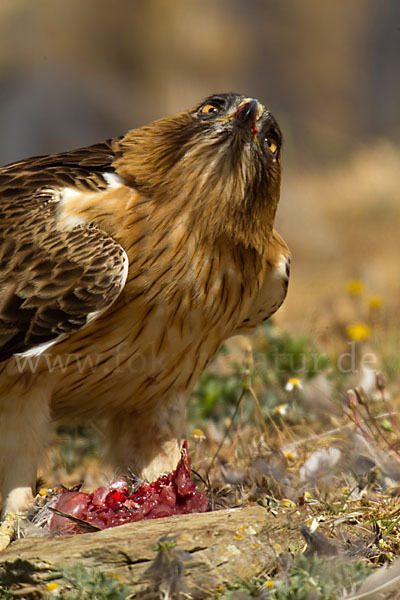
(71, 221)
(69, 194)
(113, 180)
(69, 201)
(76, 205)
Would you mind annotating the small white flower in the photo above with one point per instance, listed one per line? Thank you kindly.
(281, 409)
(198, 435)
(293, 383)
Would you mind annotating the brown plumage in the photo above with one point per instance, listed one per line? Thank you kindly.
(123, 267)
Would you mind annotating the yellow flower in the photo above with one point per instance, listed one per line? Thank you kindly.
(52, 586)
(355, 287)
(198, 435)
(358, 332)
(375, 302)
(281, 409)
(290, 454)
(269, 584)
(293, 383)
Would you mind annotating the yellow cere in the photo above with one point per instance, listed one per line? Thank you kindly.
(259, 106)
(355, 287)
(358, 332)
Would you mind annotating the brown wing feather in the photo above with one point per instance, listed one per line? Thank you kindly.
(52, 281)
(83, 167)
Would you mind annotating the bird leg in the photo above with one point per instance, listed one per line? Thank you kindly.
(24, 418)
(148, 444)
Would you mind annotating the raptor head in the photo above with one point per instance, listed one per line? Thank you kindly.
(218, 165)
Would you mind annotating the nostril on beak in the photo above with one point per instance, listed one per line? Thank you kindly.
(247, 112)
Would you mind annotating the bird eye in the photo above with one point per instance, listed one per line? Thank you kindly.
(209, 109)
(273, 146)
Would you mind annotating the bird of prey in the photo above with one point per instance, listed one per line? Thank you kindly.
(123, 268)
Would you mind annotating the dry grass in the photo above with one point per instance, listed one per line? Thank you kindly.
(256, 441)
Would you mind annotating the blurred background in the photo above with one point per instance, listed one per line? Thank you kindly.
(73, 73)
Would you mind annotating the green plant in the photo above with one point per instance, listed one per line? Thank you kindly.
(80, 583)
(252, 588)
(280, 355)
(214, 396)
(277, 358)
(320, 579)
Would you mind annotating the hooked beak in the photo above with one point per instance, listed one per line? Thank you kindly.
(247, 114)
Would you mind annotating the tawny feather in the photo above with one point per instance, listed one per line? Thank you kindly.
(123, 268)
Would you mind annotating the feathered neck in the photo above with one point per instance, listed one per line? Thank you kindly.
(217, 183)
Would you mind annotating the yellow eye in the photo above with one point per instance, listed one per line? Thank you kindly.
(271, 145)
(209, 109)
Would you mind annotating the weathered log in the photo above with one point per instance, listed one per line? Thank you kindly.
(223, 546)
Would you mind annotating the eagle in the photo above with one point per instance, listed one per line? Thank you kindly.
(123, 268)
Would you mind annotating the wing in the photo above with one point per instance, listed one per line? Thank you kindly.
(53, 282)
(274, 287)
